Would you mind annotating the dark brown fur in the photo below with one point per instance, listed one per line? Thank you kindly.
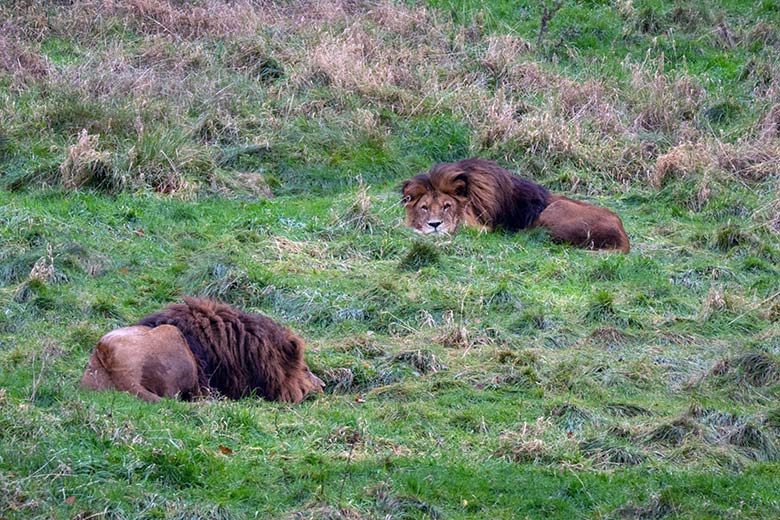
(482, 194)
(583, 225)
(238, 353)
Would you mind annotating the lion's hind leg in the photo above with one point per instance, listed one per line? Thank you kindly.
(148, 363)
(584, 225)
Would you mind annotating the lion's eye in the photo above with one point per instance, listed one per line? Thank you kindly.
(424, 207)
(447, 206)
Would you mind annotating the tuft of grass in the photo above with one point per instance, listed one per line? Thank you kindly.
(524, 451)
(762, 445)
(423, 361)
(757, 368)
(773, 418)
(730, 236)
(338, 380)
(674, 433)
(655, 508)
(534, 443)
(358, 216)
(456, 336)
(166, 161)
(325, 512)
(393, 504)
(253, 59)
(607, 455)
(601, 306)
(627, 410)
(85, 165)
(571, 417)
(760, 369)
(214, 277)
(421, 254)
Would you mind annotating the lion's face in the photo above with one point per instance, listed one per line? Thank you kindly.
(434, 213)
(434, 208)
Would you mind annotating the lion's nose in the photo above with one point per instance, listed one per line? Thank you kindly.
(434, 223)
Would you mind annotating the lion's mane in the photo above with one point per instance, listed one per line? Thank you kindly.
(238, 353)
(494, 197)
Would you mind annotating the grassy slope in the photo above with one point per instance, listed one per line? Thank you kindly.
(478, 376)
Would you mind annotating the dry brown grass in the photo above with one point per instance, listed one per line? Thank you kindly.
(770, 124)
(158, 72)
(768, 216)
(590, 100)
(424, 361)
(359, 215)
(749, 161)
(537, 442)
(720, 299)
(502, 53)
(409, 21)
(84, 163)
(387, 55)
(251, 184)
(43, 270)
(501, 122)
(350, 62)
(682, 161)
(659, 101)
(180, 20)
(21, 62)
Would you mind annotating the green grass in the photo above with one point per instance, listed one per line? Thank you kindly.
(538, 324)
(482, 375)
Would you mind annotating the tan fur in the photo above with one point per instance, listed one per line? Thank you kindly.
(150, 363)
(436, 213)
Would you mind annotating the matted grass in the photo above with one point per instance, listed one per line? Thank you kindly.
(253, 153)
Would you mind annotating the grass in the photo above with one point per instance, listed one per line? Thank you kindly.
(152, 149)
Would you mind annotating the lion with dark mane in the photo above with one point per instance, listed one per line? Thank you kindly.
(233, 352)
(480, 193)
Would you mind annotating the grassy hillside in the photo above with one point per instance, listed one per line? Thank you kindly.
(252, 152)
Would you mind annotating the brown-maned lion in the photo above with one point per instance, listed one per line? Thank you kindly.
(150, 363)
(480, 193)
(238, 353)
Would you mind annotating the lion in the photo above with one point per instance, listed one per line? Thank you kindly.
(200, 347)
(240, 354)
(150, 363)
(479, 193)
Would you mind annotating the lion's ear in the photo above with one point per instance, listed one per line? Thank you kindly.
(412, 189)
(460, 185)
